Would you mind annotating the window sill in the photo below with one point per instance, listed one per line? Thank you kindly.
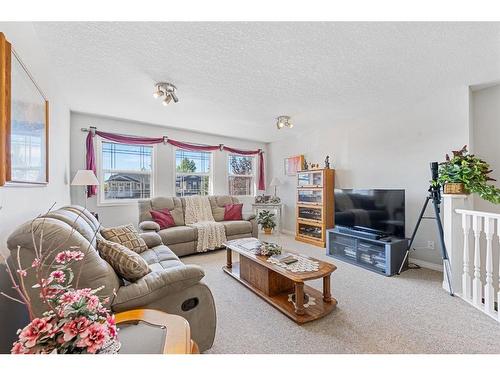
(118, 203)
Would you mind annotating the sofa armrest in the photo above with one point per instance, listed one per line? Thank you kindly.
(248, 217)
(149, 225)
(152, 239)
(156, 285)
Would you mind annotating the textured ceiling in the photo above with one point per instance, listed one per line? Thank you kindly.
(234, 78)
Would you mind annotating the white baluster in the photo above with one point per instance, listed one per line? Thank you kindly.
(498, 294)
(466, 277)
(476, 282)
(489, 290)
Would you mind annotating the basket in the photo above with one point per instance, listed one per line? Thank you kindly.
(455, 188)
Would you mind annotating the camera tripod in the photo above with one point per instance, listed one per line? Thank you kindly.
(435, 196)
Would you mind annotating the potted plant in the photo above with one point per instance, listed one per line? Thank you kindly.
(266, 220)
(465, 173)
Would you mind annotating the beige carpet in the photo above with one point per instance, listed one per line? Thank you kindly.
(410, 313)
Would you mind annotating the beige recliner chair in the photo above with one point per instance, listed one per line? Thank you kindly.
(171, 286)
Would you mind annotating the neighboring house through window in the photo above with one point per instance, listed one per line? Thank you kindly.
(241, 175)
(193, 173)
(126, 172)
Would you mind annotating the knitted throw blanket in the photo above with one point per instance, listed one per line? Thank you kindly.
(211, 234)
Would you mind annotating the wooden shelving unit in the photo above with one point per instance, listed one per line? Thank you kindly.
(315, 205)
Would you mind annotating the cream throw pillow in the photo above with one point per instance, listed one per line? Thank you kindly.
(124, 261)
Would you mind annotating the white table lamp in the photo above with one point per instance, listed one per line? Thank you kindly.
(85, 177)
(275, 182)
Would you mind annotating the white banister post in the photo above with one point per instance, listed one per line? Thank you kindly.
(498, 294)
(477, 287)
(466, 276)
(453, 236)
(489, 290)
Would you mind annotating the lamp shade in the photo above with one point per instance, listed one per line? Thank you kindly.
(85, 177)
(275, 182)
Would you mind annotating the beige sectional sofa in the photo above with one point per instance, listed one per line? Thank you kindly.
(182, 239)
(171, 286)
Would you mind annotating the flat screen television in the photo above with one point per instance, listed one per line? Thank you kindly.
(374, 210)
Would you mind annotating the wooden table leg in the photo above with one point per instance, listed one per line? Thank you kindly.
(299, 299)
(327, 296)
(229, 260)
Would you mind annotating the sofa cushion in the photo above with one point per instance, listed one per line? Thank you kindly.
(75, 220)
(126, 263)
(233, 211)
(163, 218)
(161, 258)
(125, 235)
(234, 227)
(179, 234)
(218, 204)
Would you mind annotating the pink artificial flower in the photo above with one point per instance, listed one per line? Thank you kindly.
(67, 256)
(50, 292)
(58, 276)
(74, 327)
(18, 348)
(93, 303)
(61, 257)
(22, 273)
(69, 298)
(30, 334)
(35, 263)
(93, 337)
(111, 326)
(45, 282)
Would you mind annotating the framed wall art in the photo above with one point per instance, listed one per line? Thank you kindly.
(24, 122)
(293, 164)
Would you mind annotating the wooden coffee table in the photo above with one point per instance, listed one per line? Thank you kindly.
(283, 289)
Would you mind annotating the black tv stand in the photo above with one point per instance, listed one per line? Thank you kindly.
(382, 255)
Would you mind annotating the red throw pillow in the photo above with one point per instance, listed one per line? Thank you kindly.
(163, 217)
(233, 211)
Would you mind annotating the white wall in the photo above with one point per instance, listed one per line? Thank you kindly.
(486, 136)
(390, 150)
(164, 178)
(20, 204)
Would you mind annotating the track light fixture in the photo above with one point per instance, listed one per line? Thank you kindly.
(167, 91)
(284, 121)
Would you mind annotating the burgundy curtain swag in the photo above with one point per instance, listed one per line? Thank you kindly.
(91, 163)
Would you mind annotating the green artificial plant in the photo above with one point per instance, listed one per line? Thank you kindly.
(470, 170)
(266, 219)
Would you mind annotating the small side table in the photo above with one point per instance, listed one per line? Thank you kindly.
(277, 208)
(144, 331)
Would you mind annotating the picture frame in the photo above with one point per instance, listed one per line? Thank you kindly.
(24, 122)
(293, 164)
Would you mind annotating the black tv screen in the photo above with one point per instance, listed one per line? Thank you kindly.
(378, 210)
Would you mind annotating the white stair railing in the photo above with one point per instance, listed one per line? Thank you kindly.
(482, 290)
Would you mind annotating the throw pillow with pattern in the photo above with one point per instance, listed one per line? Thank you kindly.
(124, 261)
(126, 235)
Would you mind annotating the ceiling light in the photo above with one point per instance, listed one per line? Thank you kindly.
(284, 121)
(167, 90)
(157, 93)
(167, 100)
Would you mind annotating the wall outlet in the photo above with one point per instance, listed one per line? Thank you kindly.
(430, 245)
